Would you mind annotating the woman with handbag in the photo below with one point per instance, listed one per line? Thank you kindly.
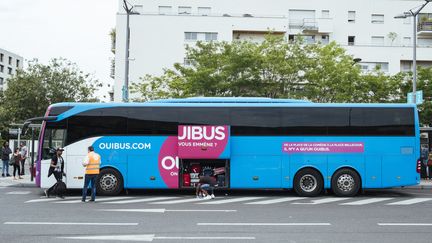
(16, 158)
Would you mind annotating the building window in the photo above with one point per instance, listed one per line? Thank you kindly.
(351, 40)
(17, 63)
(165, 10)
(407, 41)
(138, 8)
(1, 57)
(325, 14)
(1, 81)
(377, 19)
(184, 10)
(1, 68)
(309, 39)
(201, 36)
(9, 71)
(325, 39)
(351, 16)
(378, 40)
(371, 66)
(191, 36)
(10, 60)
(211, 36)
(204, 11)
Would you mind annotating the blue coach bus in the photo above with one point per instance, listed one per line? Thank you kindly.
(243, 143)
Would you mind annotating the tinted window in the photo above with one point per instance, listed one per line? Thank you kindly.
(256, 121)
(97, 122)
(152, 121)
(57, 110)
(204, 115)
(384, 121)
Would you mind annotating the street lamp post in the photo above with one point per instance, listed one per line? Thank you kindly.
(413, 13)
(125, 90)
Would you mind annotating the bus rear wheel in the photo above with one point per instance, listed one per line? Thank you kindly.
(345, 183)
(308, 183)
(110, 182)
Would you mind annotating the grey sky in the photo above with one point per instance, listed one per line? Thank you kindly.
(74, 29)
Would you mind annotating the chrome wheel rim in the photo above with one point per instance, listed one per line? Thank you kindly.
(308, 183)
(108, 182)
(345, 183)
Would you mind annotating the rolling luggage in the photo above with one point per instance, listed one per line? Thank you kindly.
(60, 188)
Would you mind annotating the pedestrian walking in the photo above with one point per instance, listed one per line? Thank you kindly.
(15, 161)
(5, 156)
(92, 166)
(429, 166)
(24, 154)
(56, 169)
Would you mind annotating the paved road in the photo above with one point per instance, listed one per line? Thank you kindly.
(397, 215)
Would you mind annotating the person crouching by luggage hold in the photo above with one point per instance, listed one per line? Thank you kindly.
(56, 169)
(92, 165)
(205, 187)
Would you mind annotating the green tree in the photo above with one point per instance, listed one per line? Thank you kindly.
(32, 90)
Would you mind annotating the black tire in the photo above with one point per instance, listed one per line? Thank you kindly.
(345, 183)
(308, 183)
(109, 182)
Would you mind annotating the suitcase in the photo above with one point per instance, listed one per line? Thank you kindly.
(221, 180)
(60, 188)
(186, 180)
(196, 168)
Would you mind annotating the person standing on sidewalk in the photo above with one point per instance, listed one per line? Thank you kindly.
(24, 152)
(5, 156)
(429, 166)
(16, 158)
(56, 169)
(92, 166)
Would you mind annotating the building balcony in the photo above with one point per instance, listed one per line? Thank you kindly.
(314, 25)
(424, 29)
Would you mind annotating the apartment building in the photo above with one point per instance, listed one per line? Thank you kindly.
(9, 63)
(160, 30)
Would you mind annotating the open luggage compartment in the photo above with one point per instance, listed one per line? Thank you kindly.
(192, 169)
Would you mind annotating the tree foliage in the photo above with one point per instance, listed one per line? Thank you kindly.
(29, 92)
(279, 69)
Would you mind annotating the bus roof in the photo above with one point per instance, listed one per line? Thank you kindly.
(228, 100)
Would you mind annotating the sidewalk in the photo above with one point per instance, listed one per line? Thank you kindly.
(9, 181)
(424, 184)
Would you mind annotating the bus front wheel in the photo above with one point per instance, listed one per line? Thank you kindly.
(308, 183)
(345, 183)
(110, 182)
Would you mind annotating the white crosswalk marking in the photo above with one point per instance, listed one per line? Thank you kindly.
(324, 200)
(18, 193)
(367, 201)
(44, 199)
(278, 200)
(141, 200)
(177, 201)
(97, 199)
(410, 201)
(223, 201)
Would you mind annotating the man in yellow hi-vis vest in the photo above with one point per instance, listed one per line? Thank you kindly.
(92, 165)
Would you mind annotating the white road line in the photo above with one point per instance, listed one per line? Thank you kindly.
(367, 201)
(410, 201)
(153, 237)
(324, 200)
(263, 224)
(162, 210)
(97, 200)
(178, 201)
(71, 223)
(232, 200)
(18, 193)
(141, 200)
(202, 238)
(45, 199)
(278, 200)
(404, 224)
